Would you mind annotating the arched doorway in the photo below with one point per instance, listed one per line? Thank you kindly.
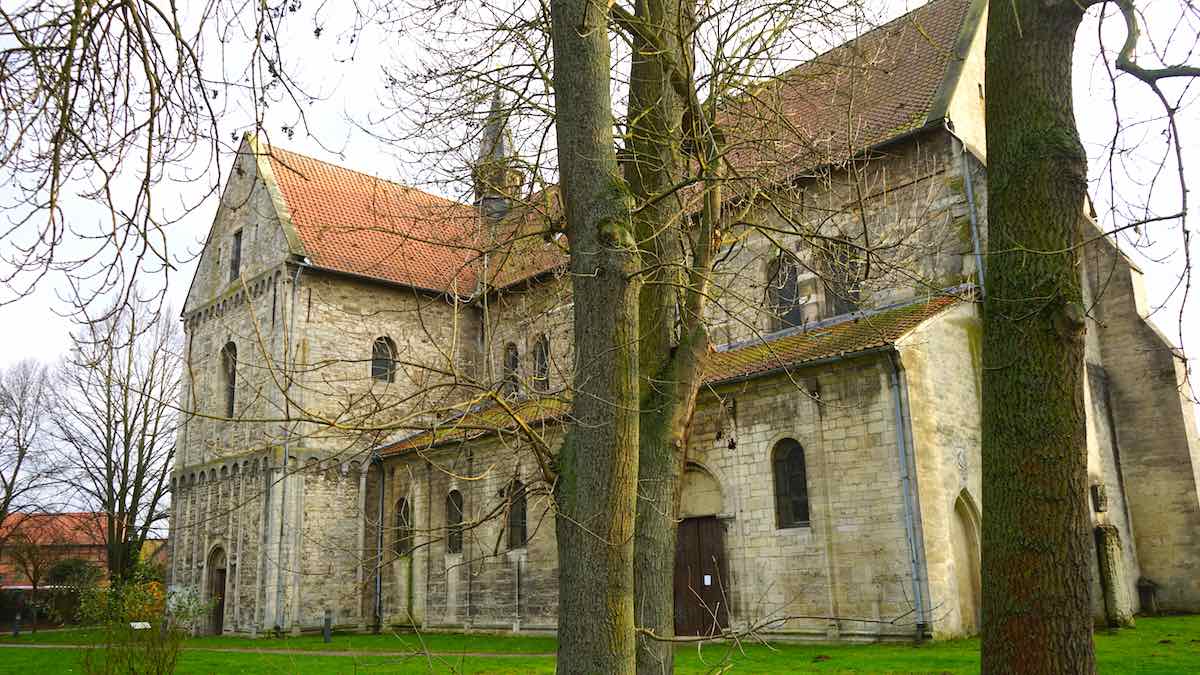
(216, 589)
(701, 572)
(965, 544)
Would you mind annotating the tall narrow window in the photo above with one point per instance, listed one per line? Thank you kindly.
(541, 363)
(404, 528)
(454, 519)
(235, 257)
(512, 361)
(516, 515)
(791, 486)
(383, 360)
(842, 276)
(783, 292)
(229, 376)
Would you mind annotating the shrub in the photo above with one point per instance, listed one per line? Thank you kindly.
(121, 648)
(73, 572)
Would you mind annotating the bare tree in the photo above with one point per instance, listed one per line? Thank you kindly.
(103, 102)
(26, 469)
(116, 420)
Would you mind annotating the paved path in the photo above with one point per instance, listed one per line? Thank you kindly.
(313, 652)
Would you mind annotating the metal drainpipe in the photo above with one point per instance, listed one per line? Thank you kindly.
(971, 210)
(287, 443)
(906, 482)
(428, 548)
(377, 460)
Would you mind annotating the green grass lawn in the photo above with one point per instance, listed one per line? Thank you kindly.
(1157, 645)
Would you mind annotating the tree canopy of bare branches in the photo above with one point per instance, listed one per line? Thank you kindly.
(116, 421)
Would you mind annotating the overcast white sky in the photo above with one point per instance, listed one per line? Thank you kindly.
(347, 79)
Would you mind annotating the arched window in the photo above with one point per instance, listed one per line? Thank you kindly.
(783, 292)
(516, 515)
(404, 528)
(791, 485)
(454, 519)
(842, 277)
(541, 363)
(512, 361)
(229, 376)
(383, 360)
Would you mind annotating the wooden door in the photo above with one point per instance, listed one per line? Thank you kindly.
(701, 575)
(218, 597)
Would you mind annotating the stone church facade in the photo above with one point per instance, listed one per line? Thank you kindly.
(374, 372)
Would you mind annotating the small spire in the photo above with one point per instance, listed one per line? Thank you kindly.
(494, 144)
(496, 176)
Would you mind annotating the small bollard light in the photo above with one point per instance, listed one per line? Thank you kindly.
(17, 625)
(327, 631)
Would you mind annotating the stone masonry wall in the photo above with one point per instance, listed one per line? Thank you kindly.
(851, 560)
(942, 372)
(1155, 430)
(221, 508)
(911, 200)
(488, 585)
(520, 315)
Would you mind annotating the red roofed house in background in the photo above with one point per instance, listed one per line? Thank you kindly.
(34, 543)
(31, 544)
(398, 366)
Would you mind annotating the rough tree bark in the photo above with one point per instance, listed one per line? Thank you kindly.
(598, 464)
(652, 165)
(665, 116)
(1036, 609)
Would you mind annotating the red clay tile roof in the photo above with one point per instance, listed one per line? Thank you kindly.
(352, 222)
(857, 334)
(57, 529)
(484, 421)
(854, 97)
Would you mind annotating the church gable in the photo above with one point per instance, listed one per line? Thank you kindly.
(248, 235)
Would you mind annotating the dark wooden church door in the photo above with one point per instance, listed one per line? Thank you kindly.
(701, 578)
(218, 611)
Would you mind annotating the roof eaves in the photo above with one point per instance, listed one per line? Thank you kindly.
(368, 278)
(814, 363)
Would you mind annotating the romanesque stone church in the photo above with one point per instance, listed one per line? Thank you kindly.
(372, 369)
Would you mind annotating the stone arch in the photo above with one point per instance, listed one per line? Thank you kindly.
(699, 493)
(964, 542)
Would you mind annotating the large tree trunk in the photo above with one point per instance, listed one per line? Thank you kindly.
(673, 341)
(598, 464)
(652, 166)
(1036, 609)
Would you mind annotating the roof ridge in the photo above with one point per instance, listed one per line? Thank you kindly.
(887, 25)
(270, 153)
